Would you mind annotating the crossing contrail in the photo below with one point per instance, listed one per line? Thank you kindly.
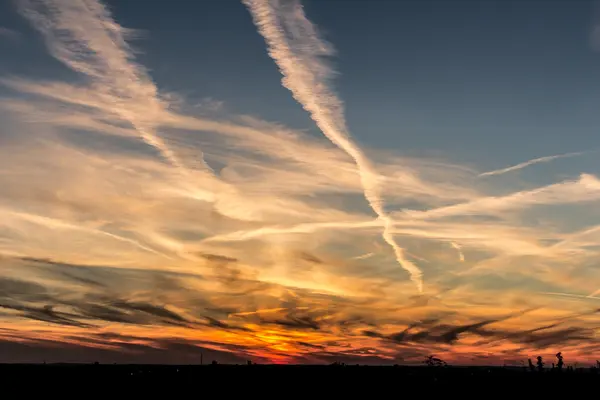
(295, 46)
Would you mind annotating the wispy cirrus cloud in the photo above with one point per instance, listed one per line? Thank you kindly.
(9, 33)
(84, 37)
(112, 221)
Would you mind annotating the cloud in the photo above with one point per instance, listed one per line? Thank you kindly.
(160, 312)
(9, 33)
(120, 297)
(13, 289)
(115, 349)
(300, 228)
(438, 334)
(111, 247)
(118, 86)
(210, 104)
(540, 337)
(594, 33)
(218, 258)
(101, 53)
(585, 188)
(364, 256)
(461, 256)
(595, 37)
(296, 47)
(45, 314)
(530, 162)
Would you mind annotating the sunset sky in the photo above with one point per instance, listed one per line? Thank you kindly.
(280, 181)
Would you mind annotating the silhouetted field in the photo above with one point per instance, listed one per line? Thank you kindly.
(291, 379)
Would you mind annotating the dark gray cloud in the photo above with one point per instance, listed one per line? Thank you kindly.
(218, 258)
(14, 289)
(294, 318)
(46, 314)
(137, 300)
(309, 257)
(103, 275)
(353, 321)
(116, 349)
(107, 313)
(311, 345)
(431, 332)
(127, 312)
(223, 325)
(82, 280)
(159, 312)
(542, 337)
(298, 322)
(156, 298)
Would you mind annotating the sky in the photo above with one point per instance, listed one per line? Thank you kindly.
(286, 181)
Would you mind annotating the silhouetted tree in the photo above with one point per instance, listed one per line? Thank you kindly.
(433, 361)
(560, 363)
(540, 364)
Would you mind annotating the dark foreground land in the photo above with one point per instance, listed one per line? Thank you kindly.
(292, 380)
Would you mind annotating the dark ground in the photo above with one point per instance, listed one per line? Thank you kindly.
(289, 381)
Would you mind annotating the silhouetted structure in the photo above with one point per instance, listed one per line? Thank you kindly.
(540, 364)
(312, 378)
(560, 363)
(531, 366)
(433, 361)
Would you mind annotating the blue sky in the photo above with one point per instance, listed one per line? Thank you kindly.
(461, 77)
(389, 163)
(491, 83)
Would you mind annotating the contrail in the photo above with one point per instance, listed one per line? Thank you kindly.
(83, 35)
(577, 296)
(310, 227)
(364, 256)
(530, 162)
(461, 256)
(294, 45)
(54, 223)
(264, 311)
